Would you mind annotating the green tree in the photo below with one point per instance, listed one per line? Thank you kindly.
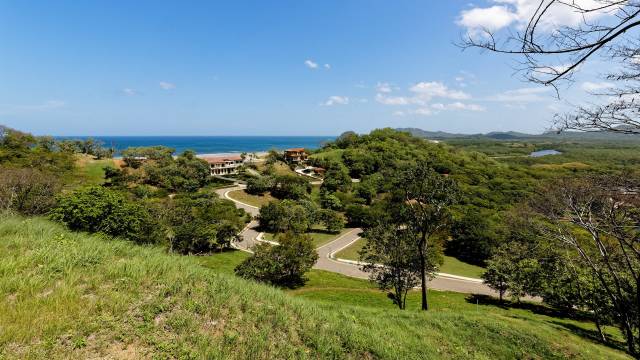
(99, 210)
(472, 240)
(291, 187)
(336, 178)
(260, 185)
(134, 156)
(285, 216)
(280, 265)
(423, 198)
(203, 223)
(391, 260)
(332, 220)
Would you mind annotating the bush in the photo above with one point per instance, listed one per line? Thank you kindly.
(284, 216)
(332, 220)
(281, 265)
(330, 201)
(291, 187)
(362, 216)
(27, 191)
(202, 223)
(260, 185)
(187, 173)
(99, 210)
(472, 240)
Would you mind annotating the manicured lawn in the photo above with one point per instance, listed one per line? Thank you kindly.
(351, 251)
(253, 200)
(454, 266)
(451, 265)
(319, 237)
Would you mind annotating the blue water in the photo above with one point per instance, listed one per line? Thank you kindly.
(212, 144)
(541, 153)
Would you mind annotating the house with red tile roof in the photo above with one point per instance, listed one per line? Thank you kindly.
(295, 155)
(224, 165)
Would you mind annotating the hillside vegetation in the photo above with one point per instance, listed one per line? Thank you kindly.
(72, 295)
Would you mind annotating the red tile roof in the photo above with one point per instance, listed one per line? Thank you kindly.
(295, 149)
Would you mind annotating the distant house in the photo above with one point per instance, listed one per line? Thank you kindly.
(223, 165)
(295, 155)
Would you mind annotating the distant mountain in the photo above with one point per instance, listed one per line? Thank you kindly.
(514, 135)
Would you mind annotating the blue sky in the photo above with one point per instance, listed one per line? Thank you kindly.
(257, 68)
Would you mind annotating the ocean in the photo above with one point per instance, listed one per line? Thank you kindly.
(211, 144)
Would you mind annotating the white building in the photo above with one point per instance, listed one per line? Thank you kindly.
(224, 165)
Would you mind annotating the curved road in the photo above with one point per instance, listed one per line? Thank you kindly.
(326, 260)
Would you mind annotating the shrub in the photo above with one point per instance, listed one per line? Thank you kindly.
(332, 220)
(260, 185)
(281, 265)
(291, 187)
(202, 223)
(284, 216)
(100, 210)
(27, 191)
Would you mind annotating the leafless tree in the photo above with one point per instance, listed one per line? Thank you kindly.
(597, 220)
(551, 53)
(27, 191)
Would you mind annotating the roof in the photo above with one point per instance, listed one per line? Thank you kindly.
(295, 149)
(221, 159)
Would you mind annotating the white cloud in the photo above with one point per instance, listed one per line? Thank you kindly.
(327, 66)
(166, 85)
(311, 64)
(397, 100)
(591, 86)
(505, 13)
(383, 87)
(421, 94)
(336, 100)
(428, 90)
(532, 94)
(491, 18)
(129, 92)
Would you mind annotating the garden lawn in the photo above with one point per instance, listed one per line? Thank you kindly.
(450, 265)
(253, 200)
(319, 236)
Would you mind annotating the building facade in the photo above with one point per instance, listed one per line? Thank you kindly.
(224, 165)
(295, 155)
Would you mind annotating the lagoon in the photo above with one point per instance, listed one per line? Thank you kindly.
(541, 153)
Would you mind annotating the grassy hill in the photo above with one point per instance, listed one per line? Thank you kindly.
(69, 295)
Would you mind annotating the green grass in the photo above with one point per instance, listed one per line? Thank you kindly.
(454, 266)
(253, 200)
(351, 251)
(67, 295)
(331, 155)
(450, 265)
(319, 236)
(89, 171)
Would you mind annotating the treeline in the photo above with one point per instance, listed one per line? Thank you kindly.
(164, 200)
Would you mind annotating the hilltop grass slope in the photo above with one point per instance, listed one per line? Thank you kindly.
(70, 295)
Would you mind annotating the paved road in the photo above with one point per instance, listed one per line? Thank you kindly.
(326, 252)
